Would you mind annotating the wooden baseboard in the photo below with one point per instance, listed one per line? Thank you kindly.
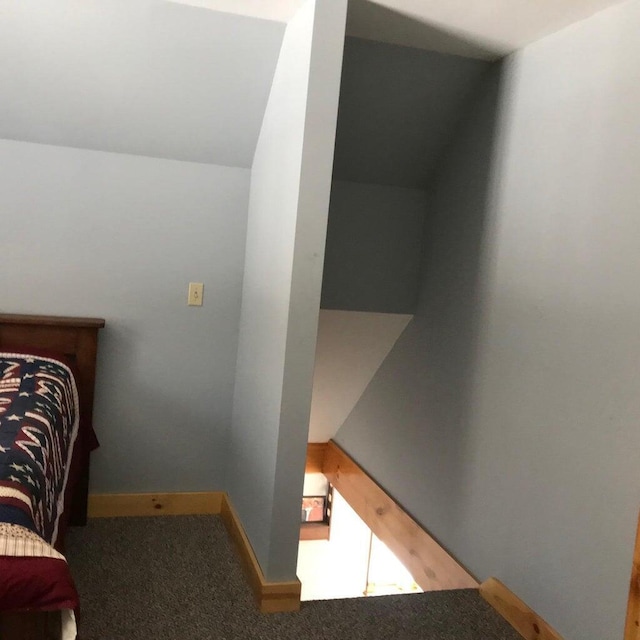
(117, 505)
(271, 597)
(632, 625)
(430, 565)
(521, 617)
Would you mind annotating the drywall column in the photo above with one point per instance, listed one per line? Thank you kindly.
(288, 208)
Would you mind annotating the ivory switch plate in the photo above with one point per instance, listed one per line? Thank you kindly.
(196, 291)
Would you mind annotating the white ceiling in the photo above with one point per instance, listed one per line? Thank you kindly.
(476, 28)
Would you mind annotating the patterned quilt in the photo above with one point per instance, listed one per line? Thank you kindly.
(39, 423)
(39, 420)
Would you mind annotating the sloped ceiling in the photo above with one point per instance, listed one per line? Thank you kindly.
(487, 29)
(189, 79)
(398, 107)
(143, 77)
(478, 28)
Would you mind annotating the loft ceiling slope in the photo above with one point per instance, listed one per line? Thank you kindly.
(371, 21)
(149, 78)
(485, 29)
(278, 10)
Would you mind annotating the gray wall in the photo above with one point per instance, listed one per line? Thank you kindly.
(512, 398)
(350, 348)
(374, 246)
(414, 408)
(288, 208)
(398, 108)
(117, 236)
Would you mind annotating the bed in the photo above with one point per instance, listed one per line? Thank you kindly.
(47, 376)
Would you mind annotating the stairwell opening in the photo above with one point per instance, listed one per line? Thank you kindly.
(400, 109)
(351, 562)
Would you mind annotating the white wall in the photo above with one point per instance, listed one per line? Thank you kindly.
(352, 563)
(116, 236)
(336, 568)
(290, 186)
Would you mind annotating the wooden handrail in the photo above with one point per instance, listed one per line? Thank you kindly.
(430, 565)
(632, 625)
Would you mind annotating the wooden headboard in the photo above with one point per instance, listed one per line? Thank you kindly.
(77, 339)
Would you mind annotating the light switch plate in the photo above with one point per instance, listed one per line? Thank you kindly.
(196, 291)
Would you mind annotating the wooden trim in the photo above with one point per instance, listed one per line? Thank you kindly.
(430, 565)
(632, 624)
(51, 321)
(117, 505)
(521, 617)
(271, 597)
(315, 457)
(314, 531)
(31, 625)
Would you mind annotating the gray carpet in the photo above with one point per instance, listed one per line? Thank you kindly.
(176, 578)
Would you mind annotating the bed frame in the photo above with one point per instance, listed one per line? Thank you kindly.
(76, 338)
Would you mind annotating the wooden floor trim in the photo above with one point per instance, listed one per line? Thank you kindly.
(117, 505)
(271, 597)
(632, 624)
(520, 616)
(430, 565)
